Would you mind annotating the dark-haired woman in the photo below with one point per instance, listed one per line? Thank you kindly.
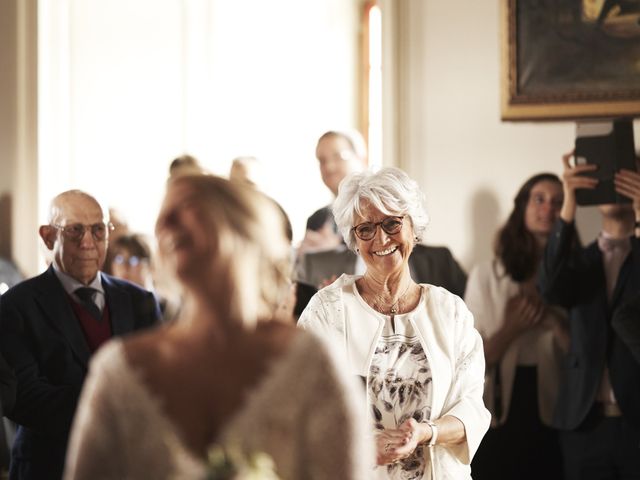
(523, 338)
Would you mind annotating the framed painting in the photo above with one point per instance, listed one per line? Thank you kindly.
(570, 59)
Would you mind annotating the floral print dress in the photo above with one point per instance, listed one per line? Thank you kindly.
(399, 387)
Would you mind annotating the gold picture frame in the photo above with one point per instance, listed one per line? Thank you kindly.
(569, 60)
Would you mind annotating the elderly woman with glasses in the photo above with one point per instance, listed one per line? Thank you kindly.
(414, 344)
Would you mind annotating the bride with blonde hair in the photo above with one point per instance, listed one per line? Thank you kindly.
(221, 392)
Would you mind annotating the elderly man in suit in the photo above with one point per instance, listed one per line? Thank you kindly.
(339, 153)
(50, 326)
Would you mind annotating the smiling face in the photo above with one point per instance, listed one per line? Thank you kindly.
(543, 207)
(181, 230)
(337, 159)
(79, 258)
(384, 254)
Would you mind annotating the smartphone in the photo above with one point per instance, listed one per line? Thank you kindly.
(610, 146)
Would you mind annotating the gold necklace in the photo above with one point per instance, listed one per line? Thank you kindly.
(394, 307)
(393, 310)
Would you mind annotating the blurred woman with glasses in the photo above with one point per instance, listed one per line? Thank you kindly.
(132, 260)
(414, 344)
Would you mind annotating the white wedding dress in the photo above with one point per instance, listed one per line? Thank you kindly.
(303, 413)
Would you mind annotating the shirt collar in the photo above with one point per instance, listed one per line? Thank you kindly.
(607, 243)
(70, 284)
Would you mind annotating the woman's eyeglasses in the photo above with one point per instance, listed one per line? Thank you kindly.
(367, 230)
(76, 230)
(132, 261)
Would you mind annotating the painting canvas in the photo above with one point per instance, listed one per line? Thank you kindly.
(570, 59)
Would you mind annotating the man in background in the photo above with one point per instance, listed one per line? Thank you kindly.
(50, 325)
(246, 170)
(338, 154)
(598, 405)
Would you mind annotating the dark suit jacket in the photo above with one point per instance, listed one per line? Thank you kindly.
(42, 340)
(7, 386)
(434, 265)
(573, 277)
(7, 399)
(626, 323)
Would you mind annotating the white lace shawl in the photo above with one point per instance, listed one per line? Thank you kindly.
(304, 413)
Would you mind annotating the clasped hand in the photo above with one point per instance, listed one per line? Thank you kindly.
(397, 444)
(524, 311)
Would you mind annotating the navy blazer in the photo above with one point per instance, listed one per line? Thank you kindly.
(574, 278)
(42, 340)
(626, 322)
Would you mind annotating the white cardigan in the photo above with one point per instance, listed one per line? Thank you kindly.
(445, 328)
(488, 290)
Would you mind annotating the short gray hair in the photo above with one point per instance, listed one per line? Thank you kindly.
(390, 190)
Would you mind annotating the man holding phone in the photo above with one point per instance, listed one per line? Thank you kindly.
(598, 406)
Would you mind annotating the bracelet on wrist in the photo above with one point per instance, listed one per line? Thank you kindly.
(434, 434)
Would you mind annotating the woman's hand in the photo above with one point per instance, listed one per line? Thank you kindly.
(386, 444)
(522, 312)
(397, 444)
(573, 179)
(327, 281)
(559, 325)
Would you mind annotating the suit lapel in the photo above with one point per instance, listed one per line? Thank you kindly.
(120, 309)
(53, 302)
(621, 282)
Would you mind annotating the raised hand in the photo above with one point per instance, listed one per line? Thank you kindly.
(573, 179)
(627, 182)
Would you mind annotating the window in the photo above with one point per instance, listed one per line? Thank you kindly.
(371, 74)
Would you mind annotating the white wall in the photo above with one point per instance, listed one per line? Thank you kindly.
(469, 163)
(18, 127)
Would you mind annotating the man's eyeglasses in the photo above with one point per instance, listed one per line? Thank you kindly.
(132, 261)
(76, 231)
(367, 230)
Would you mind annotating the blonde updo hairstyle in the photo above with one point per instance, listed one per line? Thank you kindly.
(248, 234)
(390, 190)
